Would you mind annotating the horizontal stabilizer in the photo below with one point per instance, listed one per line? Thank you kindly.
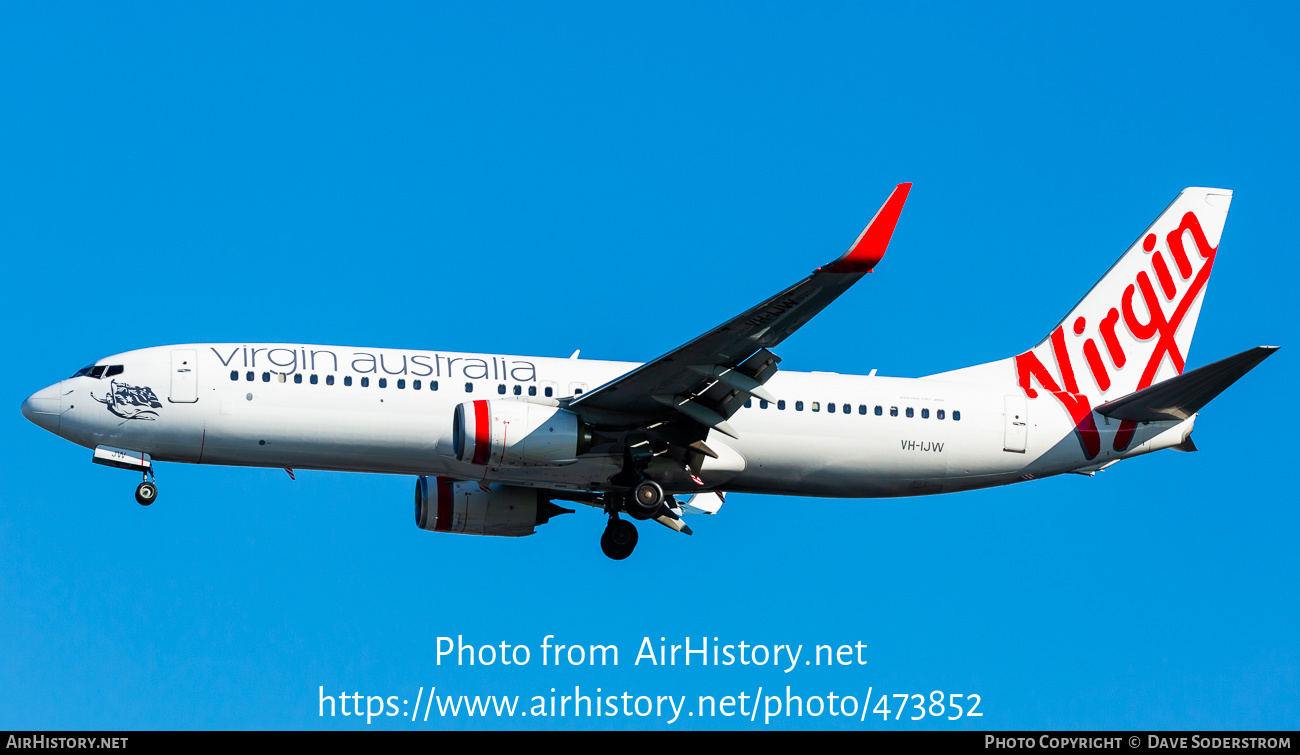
(1182, 396)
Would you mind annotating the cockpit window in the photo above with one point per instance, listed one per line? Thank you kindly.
(98, 371)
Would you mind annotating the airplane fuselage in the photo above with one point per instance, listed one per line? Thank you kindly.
(390, 411)
(494, 439)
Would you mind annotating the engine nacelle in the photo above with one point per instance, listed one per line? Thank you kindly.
(516, 434)
(446, 505)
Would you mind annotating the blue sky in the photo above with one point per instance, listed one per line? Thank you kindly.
(539, 178)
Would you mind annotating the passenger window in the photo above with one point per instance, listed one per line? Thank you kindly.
(297, 377)
(266, 377)
(956, 416)
(938, 414)
(762, 404)
(550, 391)
(469, 387)
(862, 408)
(816, 406)
(313, 380)
(415, 385)
(383, 382)
(501, 389)
(749, 403)
(577, 391)
(847, 409)
(329, 380)
(780, 405)
(433, 385)
(893, 411)
(532, 390)
(519, 389)
(401, 383)
(279, 377)
(234, 374)
(365, 382)
(347, 380)
(830, 408)
(249, 376)
(798, 406)
(925, 414)
(909, 412)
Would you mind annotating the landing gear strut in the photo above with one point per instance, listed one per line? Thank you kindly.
(147, 491)
(620, 535)
(619, 539)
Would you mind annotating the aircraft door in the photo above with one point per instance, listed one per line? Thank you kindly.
(185, 379)
(1017, 423)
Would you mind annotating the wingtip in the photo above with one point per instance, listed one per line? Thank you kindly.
(869, 248)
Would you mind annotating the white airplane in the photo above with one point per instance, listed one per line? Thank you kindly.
(493, 440)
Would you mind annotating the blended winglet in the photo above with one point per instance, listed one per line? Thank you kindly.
(707, 380)
(871, 244)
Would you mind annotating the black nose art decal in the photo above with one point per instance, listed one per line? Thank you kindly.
(130, 402)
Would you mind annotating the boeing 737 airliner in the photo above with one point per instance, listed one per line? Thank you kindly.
(494, 440)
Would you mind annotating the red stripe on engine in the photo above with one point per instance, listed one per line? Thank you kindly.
(482, 433)
(443, 522)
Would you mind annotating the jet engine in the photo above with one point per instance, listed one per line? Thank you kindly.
(517, 434)
(446, 505)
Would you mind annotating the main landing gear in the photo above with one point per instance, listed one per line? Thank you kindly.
(619, 539)
(645, 501)
(620, 536)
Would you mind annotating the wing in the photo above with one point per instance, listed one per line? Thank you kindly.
(708, 379)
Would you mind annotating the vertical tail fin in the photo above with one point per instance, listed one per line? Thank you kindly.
(1135, 326)
(1132, 329)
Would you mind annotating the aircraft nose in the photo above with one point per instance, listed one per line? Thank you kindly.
(44, 408)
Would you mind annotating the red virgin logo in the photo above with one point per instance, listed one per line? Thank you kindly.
(1166, 309)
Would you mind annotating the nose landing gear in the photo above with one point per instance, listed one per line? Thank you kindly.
(120, 458)
(145, 493)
